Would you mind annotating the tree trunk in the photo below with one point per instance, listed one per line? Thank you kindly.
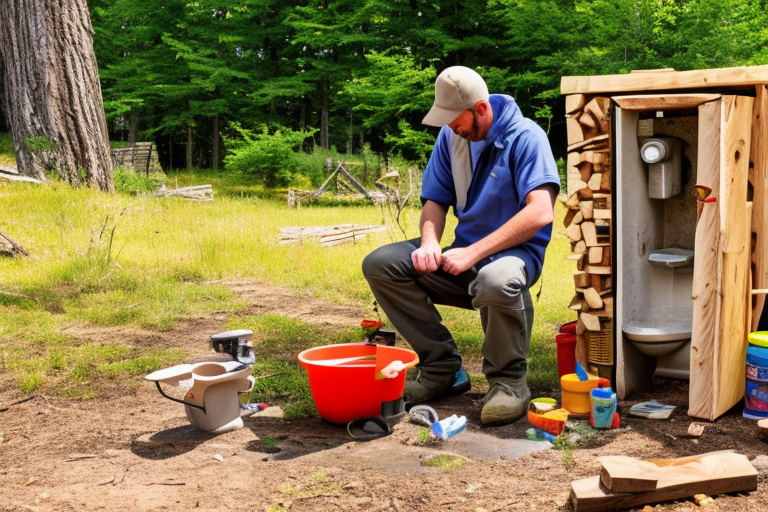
(52, 91)
(216, 157)
(190, 146)
(133, 122)
(325, 93)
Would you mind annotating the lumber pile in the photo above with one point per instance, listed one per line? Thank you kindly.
(327, 235)
(626, 482)
(346, 186)
(196, 193)
(140, 156)
(588, 222)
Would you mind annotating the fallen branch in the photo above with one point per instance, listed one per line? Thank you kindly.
(80, 457)
(195, 193)
(17, 403)
(9, 247)
(12, 174)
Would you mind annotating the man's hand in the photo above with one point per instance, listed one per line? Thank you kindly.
(458, 260)
(427, 258)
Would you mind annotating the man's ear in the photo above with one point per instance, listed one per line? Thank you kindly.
(482, 107)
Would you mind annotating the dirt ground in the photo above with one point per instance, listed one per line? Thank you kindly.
(134, 450)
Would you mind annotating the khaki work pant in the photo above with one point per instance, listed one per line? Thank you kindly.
(499, 291)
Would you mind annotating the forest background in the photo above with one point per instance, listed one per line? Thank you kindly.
(235, 83)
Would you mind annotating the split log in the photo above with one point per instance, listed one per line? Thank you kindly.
(575, 133)
(595, 181)
(590, 233)
(8, 247)
(594, 301)
(632, 482)
(573, 232)
(585, 171)
(574, 103)
(595, 255)
(586, 208)
(581, 279)
(591, 322)
(591, 143)
(602, 214)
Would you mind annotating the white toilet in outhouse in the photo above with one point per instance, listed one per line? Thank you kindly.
(658, 213)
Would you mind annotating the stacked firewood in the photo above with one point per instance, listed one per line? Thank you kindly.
(588, 219)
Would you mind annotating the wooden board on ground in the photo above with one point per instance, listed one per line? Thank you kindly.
(709, 473)
(327, 235)
(195, 193)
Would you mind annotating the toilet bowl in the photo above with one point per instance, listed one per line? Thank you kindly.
(211, 401)
(669, 342)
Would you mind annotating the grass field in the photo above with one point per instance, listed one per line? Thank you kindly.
(138, 260)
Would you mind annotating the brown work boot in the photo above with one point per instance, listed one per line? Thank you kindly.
(506, 401)
(428, 386)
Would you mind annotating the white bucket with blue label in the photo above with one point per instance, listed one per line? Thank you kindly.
(756, 390)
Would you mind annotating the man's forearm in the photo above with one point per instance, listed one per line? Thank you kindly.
(432, 223)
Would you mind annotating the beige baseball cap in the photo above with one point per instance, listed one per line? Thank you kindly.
(456, 89)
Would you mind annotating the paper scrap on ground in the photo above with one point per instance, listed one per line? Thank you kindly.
(653, 410)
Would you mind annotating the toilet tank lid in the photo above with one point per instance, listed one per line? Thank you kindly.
(671, 257)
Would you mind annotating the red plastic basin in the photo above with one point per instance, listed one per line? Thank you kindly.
(350, 391)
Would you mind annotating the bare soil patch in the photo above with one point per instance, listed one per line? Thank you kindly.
(133, 450)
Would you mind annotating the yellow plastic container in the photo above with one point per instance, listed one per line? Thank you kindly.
(576, 393)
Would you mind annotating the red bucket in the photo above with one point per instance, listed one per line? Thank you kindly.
(345, 390)
(566, 354)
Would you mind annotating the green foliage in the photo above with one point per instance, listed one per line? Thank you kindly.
(445, 462)
(270, 157)
(128, 181)
(40, 144)
(362, 71)
(6, 147)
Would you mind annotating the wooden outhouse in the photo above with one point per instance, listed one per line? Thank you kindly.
(667, 198)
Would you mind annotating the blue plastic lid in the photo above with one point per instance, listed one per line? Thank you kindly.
(602, 393)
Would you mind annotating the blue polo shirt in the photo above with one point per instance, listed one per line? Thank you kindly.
(512, 160)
